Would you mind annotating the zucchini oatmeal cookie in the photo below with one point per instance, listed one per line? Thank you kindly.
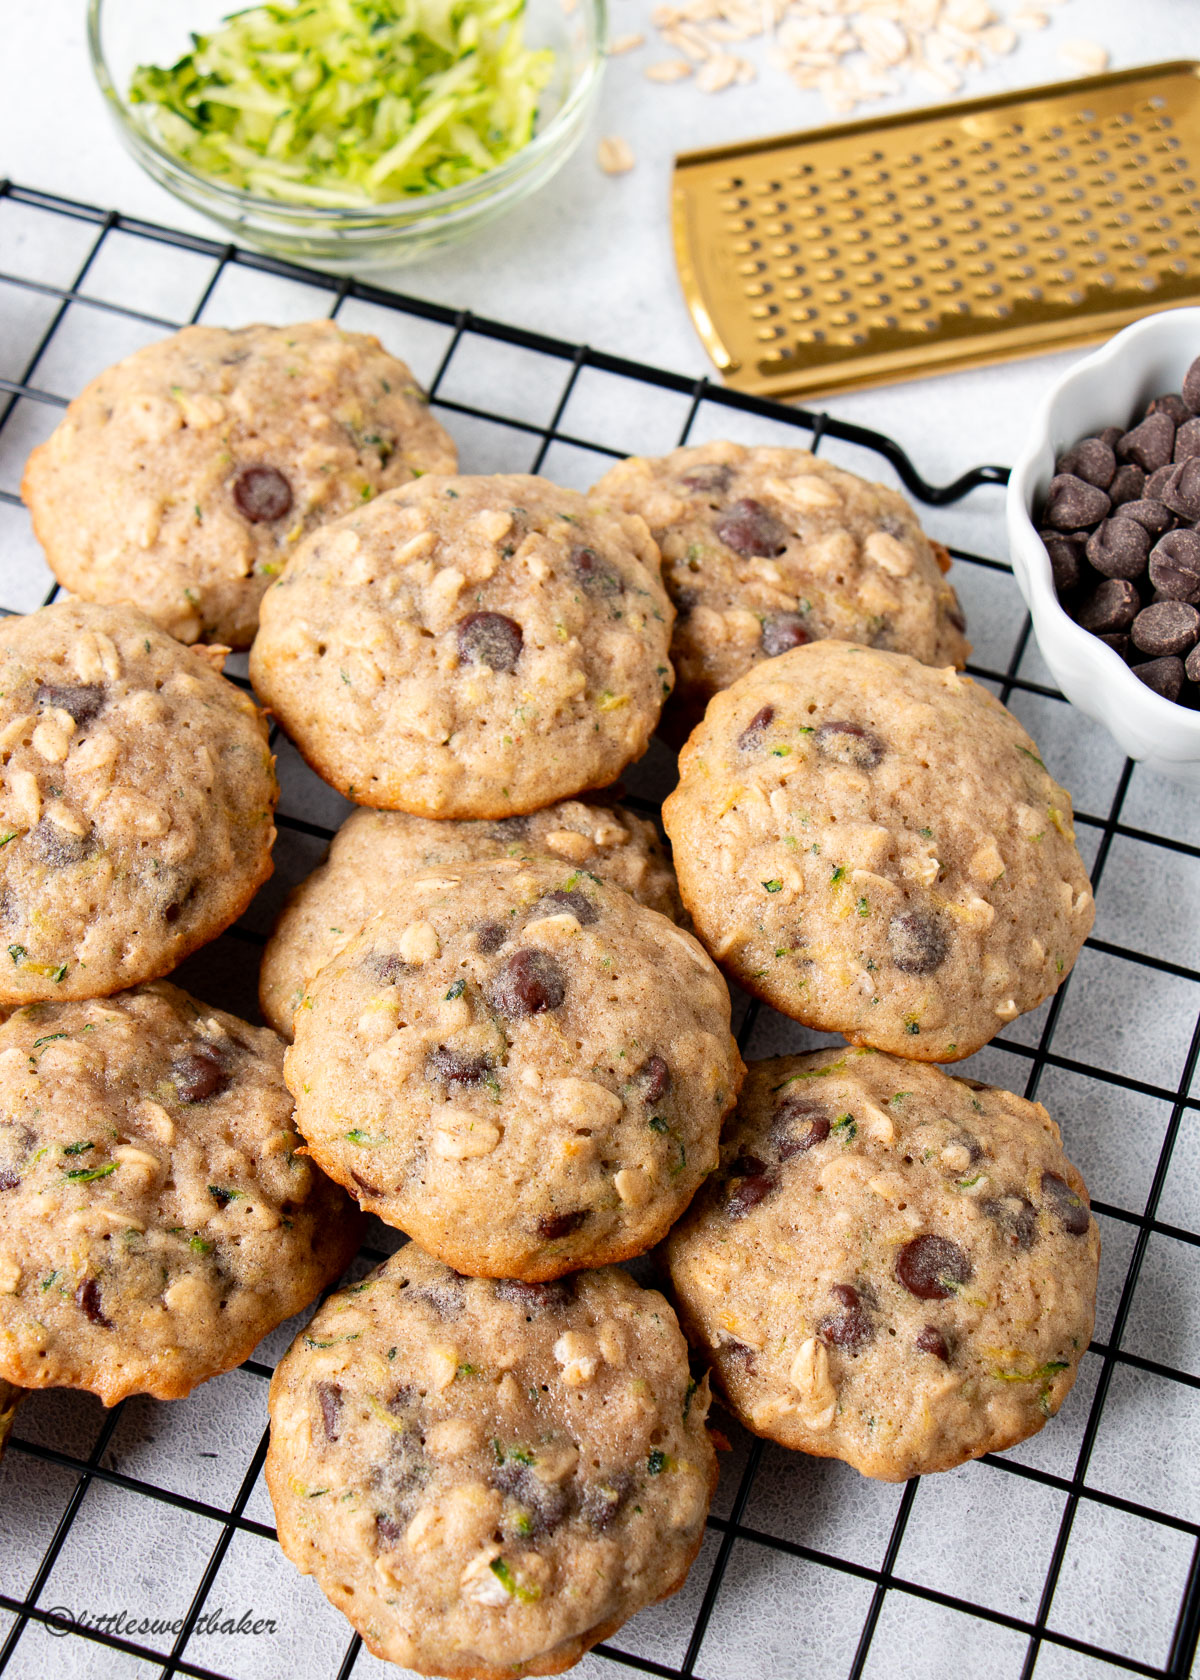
(469, 647)
(892, 1267)
(183, 477)
(374, 849)
(159, 1215)
(519, 1066)
(766, 549)
(10, 1399)
(875, 848)
(137, 791)
(489, 1477)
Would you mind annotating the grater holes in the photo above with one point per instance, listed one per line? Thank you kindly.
(961, 225)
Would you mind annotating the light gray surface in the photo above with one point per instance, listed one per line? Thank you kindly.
(980, 1534)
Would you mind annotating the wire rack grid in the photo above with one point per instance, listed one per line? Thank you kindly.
(139, 1541)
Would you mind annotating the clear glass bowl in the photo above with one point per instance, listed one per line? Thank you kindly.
(125, 33)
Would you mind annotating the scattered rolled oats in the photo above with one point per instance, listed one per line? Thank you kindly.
(624, 44)
(850, 51)
(614, 155)
(1088, 57)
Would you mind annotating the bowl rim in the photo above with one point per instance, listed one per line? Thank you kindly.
(415, 210)
(1032, 561)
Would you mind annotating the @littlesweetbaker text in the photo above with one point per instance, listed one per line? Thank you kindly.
(132, 1624)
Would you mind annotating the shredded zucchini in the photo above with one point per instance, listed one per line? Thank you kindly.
(350, 102)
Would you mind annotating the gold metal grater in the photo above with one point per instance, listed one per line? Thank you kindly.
(943, 238)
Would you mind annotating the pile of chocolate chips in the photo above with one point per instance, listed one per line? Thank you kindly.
(1121, 524)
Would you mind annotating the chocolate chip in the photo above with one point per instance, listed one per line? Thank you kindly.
(850, 1327)
(931, 1340)
(755, 1183)
(56, 847)
(1118, 643)
(1150, 443)
(572, 903)
(1119, 548)
(329, 1398)
(386, 966)
(531, 981)
(917, 941)
(1191, 666)
(400, 1468)
(849, 743)
(1187, 440)
(456, 1067)
(800, 1124)
(9, 1179)
(363, 1184)
(781, 632)
(750, 529)
(1172, 405)
(87, 1297)
(930, 1267)
(737, 1353)
(653, 1079)
(1127, 485)
(445, 1296)
(602, 1500)
(1153, 516)
(752, 735)
(1156, 480)
(82, 700)
(1092, 460)
(488, 638)
(534, 1297)
(1190, 388)
(1067, 1205)
(1111, 435)
(262, 494)
(1181, 492)
(592, 575)
(1166, 627)
(200, 1074)
(489, 936)
(389, 1529)
(1066, 560)
(1164, 676)
(1072, 503)
(544, 1505)
(509, 828)
(1016, 1217)
(710, 480)
(1175, 566)
(555, 1225)
(1112, 605)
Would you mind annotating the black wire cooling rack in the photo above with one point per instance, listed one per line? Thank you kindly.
(898, 1614)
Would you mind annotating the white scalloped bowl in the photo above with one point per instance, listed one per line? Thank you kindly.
(1104, 389)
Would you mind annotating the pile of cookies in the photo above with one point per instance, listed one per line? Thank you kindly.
(509, 1024)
